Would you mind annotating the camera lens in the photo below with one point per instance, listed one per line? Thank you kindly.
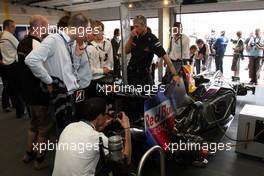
(119, 115)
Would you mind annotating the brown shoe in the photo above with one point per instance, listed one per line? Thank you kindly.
(28, 157)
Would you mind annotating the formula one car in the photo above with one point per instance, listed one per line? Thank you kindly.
(176, 115)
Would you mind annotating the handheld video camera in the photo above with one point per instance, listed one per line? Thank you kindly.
(118, 115)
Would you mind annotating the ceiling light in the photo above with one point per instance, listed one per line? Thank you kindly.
(166, 2)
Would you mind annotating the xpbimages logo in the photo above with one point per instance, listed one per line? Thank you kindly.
(192, 146)
(68, 146)
(81, 31)
(130, 89)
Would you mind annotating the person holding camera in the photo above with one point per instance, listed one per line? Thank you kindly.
(203, 55)
(85, 135)
(255, 48)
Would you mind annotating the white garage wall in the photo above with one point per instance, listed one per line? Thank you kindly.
(113, 13)
(21, 14)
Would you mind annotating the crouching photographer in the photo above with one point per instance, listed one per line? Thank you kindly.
(82, 144)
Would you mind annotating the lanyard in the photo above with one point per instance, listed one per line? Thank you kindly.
(85, 49)
(76, 67)
(67, 46)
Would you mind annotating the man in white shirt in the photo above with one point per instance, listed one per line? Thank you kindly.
(103, 65)
(83, 159)
(8, 48)
(180, 44)
(179, 50)
(94, 61)
(9, 42)
(100, 55)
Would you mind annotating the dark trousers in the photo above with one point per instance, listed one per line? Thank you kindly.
(10, 83)
(153, 68)
(5, 97)
(139, 78)
(117, 68)
(198, 66)
(89, 92)
(254, 68)
(219, 62)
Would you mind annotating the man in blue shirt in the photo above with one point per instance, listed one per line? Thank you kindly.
(59, 58)
(220, 49)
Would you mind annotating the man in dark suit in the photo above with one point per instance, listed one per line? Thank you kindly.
(115, 45)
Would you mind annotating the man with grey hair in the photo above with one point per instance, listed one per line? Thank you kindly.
(36, 100)
(143, 45)
(57, 62)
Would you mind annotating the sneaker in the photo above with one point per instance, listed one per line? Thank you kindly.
(41, 165)
(200, 163)
(7, 109)
(251, 82)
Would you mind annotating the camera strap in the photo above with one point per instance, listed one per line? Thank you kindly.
(255, 40)
(102, 167)
(103, 50)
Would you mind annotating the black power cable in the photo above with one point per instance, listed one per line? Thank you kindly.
(230, 138)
